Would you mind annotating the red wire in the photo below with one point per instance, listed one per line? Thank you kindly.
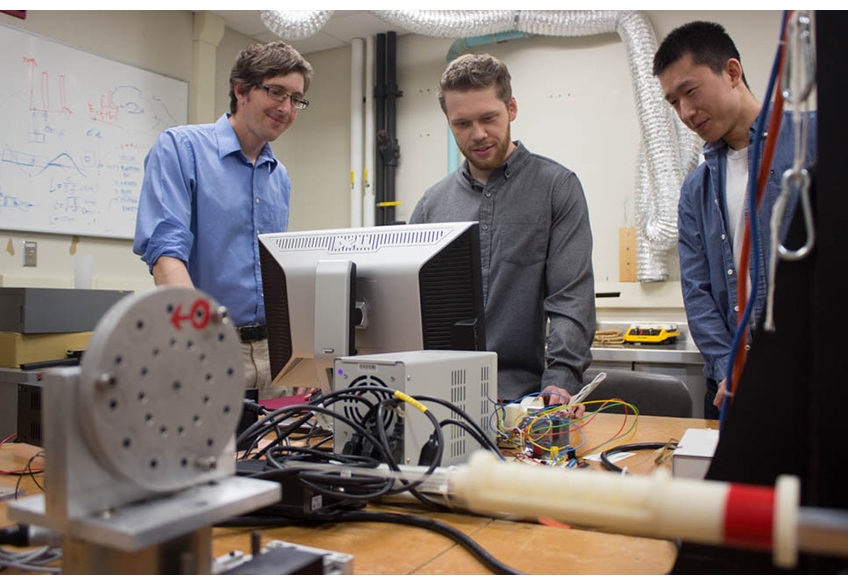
(25, 470)
(617, 433)
(762, 178)
(7, 439)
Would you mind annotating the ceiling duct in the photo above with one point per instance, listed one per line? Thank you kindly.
(668, 150)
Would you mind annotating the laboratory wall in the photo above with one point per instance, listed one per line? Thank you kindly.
(156, 41)
(575, 105)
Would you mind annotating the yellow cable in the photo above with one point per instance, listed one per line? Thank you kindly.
(406, 398)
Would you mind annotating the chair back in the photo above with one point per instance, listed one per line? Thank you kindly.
(652, 394)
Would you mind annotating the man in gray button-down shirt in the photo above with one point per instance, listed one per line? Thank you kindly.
(535, 238)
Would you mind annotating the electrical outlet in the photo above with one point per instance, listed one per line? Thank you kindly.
(30, 253)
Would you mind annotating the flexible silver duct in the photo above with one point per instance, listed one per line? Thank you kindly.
(295, 24)
(451, 23)
(668, 149)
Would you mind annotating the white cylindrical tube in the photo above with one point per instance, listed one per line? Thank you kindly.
(356, 160)
(658, 506)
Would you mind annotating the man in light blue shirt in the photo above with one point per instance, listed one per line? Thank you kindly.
(209, 189)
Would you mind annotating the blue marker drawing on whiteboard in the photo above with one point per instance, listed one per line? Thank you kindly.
(63, 161)
(16, 157)
(74, 204)
(9, 202)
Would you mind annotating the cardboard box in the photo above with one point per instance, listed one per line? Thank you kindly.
(694, 453)
(19, 348)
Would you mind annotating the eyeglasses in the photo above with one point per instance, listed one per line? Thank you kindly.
(279, 94)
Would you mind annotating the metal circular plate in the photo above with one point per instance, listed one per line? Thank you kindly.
(161, 388)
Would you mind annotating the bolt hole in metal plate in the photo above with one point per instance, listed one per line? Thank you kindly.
(161, 387)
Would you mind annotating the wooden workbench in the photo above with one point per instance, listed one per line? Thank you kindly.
(390, 549)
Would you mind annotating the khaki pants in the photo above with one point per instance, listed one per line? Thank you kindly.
(257, 370)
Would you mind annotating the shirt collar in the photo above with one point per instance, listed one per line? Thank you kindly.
(513, 162)
(720, 144)
(228, 143)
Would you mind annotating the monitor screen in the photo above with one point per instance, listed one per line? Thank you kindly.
(340, 292)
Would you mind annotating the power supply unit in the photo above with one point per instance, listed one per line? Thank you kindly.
(466, 379)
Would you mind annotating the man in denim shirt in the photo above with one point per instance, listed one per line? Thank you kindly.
(700, 72)
(535, 238)
(209, 189)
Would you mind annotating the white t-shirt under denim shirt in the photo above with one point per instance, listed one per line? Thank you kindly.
(736, 189)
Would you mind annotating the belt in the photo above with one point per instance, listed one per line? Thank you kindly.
(252, 333)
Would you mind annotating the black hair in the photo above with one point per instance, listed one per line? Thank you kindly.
(707, 42)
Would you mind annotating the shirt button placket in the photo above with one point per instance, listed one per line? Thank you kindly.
(487, 215)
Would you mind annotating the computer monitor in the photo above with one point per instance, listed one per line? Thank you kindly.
(342, 292)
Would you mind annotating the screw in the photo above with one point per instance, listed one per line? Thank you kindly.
(105, 381)
(220, 315)
(255, 543)
(206, 463)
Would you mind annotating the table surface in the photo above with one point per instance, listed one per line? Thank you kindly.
(533, 548)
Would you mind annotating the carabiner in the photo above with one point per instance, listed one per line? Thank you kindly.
(801, 180)
(800, 40)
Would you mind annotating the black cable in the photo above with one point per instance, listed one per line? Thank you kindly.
(457, 536)
(28, 470)
(17, 535)
(632, 447)
(452, 407)
(309, 478)
(261, 427)
(468, 429)
(437, 458)
(347, 393)
(329, 438)
(302, 475)
(376, 412)
(369, 427)
(315, 409)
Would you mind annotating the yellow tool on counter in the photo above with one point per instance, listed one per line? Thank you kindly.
(665, 333)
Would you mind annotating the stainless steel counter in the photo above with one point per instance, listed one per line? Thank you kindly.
(668, 354)
(680, 359)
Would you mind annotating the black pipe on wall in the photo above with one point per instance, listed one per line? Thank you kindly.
(386, 93)
(380, 123)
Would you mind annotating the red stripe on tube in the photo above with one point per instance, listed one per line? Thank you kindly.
(749, 516)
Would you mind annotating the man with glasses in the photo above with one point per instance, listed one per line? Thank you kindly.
(209, 189)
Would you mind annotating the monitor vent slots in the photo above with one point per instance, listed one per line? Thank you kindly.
(441, 307)
(276, 314)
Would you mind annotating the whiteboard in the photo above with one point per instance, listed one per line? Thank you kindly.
(74, 131)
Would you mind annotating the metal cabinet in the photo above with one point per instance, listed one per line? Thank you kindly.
(681, 360)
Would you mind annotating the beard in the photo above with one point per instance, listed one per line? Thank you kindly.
(493, 160)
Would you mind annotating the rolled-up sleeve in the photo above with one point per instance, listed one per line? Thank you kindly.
(163, 224)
